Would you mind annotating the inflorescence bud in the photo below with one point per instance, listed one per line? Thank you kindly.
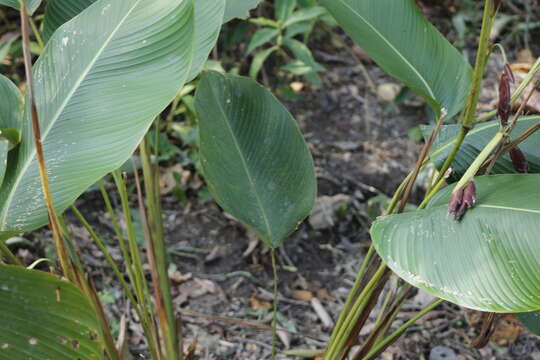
(521, 165)
(504, 108)
(462, 200)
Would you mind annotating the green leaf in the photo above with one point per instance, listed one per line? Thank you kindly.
(283, 9)
(265, 22)
(298, 28)
(45, 318)
(489, 261)
(239, 9)
(58, 12)
(5, 47)
(208, 15)
(101, 80)
(261, 37)
(31, 4)
(258, 61)
(254, 158)
(531, 320)
(302, 53)
(305, 15)
(397, 36)
(477, 139)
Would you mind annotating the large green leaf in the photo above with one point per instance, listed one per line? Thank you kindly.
(58, 12)
(397, 36)
(490, 260)
(32, 4)
(477, 139)
(101, 80)
(239, 9)
(45, 318)
(208, 18)
(531, 320)
(254, 158)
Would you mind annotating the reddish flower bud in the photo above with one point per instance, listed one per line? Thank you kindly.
(519, 160)
(462, 200)
(504, 107)
(455, 202)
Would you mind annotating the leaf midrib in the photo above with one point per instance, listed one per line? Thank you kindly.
(244, 163)
(82, 77)
(415, 71)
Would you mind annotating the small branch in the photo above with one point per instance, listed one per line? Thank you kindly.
(275, 305)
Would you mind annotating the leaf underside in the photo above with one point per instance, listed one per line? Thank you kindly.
(489, 261)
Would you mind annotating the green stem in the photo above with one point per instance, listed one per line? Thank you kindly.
(477, 163)
(275, 306)
(37, 34)
(337, 345)
(482, 56)
(352, 294)
(159, 250)
(8, 254)
(392, 337)
(117, 272)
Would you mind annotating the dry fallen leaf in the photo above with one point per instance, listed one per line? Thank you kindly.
(257, 304)
(302, 295)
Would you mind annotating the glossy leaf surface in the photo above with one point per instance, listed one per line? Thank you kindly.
(489, 261)
(397, 36)
(477, 139)
(58, 12)
(101, 80)
(45, 318)
(254, 157)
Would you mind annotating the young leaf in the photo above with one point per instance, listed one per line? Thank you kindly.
(261, 37)
(45, 318)
(32, 5)
(531, 320)
(489, 261)
(477, 139)
(239, 9)
(302, 53)
(58, 12)
(258, 61)
(305, 15)
(398, 37)
(101, 80)
(283, 9)
(254, 158)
